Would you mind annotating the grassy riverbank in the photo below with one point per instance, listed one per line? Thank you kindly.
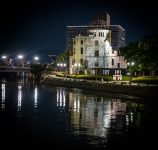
(140, 79)
(107, 87)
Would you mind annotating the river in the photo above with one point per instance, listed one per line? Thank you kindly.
(39, 116)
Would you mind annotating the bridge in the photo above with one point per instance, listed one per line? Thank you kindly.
(15, 69)
(13, 72)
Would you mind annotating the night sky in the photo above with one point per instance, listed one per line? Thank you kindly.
(39, 28)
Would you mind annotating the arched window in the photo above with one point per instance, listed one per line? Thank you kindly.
(81, 61)
(81, 50)
(81, 41)
(96, 42)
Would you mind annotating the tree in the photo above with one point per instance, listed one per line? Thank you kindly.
(144, 53)
(63, 58)
(131, 54)
(149, 52)
(37, 69)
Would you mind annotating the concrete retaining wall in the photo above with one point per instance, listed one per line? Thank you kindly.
(139, 91)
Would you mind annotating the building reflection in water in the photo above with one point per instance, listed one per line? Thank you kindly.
(3, 96)
(61, 97)
(35, 101)
(19, 100)
(78, 113)
(96, 115)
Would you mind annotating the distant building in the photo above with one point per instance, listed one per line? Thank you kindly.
(117, 36)
(94, 49)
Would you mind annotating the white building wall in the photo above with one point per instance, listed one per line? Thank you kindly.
(106, 53)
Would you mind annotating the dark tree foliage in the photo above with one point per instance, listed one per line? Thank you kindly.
(144, 53)
(37, 69)
(149, 52)
(63, 57)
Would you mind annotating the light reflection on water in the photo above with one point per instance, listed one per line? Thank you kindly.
(70, 117)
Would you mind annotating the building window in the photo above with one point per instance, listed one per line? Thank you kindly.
(74, 50)
(81, 41)
(112, 61)
(93, 72)
(118, 72)
(96, 64)
(118, 53)
(96, 42)
(96, 53)
(81, 61)
(81, 50)
(118, 65)
(106, 72)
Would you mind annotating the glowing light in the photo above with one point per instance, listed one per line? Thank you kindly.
(4, 57)
(36, 58)
(35, 97)
(19, 96)
(3, 96)
(61, 97)
(20, 56)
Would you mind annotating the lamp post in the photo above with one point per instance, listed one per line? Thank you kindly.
(64, 65)
(130, 64)
(72, 69)
(77, 66)
(36, 59)
(4, 59)
(61, 66)
(21, 62)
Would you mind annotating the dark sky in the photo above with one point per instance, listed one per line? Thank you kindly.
(39, 28)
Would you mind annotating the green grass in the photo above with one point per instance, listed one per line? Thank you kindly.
(146, 79)
(142, 79)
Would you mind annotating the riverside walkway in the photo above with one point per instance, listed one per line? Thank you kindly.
(104, 82)
(149, 91)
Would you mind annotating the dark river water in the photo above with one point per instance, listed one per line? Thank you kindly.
(38, 116)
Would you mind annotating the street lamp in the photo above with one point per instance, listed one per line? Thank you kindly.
(21, 63)
(130, 64)
(4, 59)
(21, 57)
(61, 66)
(77, 65)
(36, 59)
(64, 66)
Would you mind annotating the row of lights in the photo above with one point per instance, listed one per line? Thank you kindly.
(76, 66)
(62, 65)
(20, 57)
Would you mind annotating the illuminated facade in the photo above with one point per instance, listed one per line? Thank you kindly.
(94, 49)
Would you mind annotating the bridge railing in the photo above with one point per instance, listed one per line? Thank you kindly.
(12, 68)
(15, 69)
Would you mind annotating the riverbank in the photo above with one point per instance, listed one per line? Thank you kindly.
(125, 89)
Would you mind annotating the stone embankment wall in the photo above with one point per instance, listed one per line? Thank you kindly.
(138, 91)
